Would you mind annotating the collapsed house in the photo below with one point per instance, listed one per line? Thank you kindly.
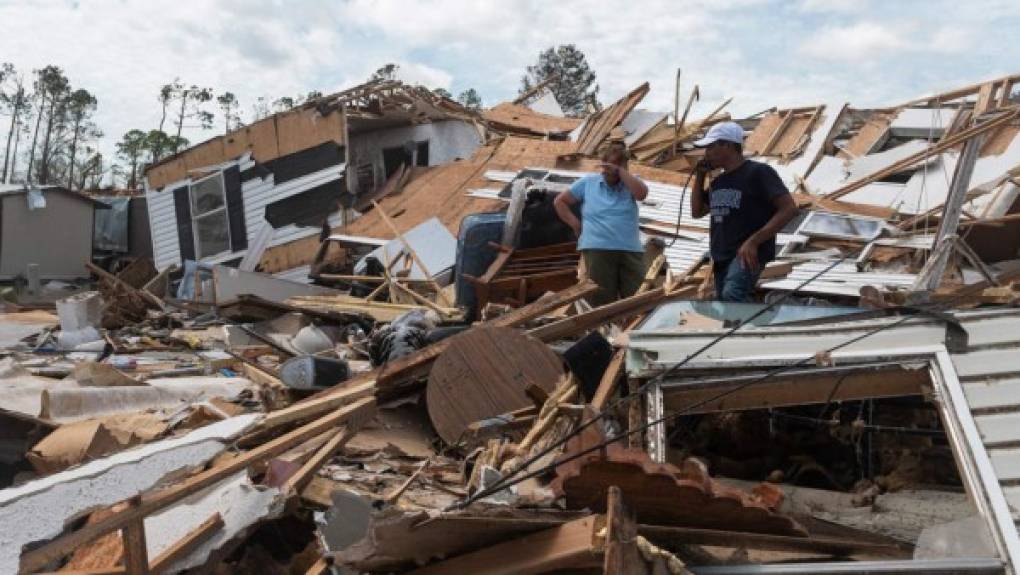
(442, 399)
(262, 187)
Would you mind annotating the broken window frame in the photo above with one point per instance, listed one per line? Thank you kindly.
(972, 459)
(220, 211)
(803, 228)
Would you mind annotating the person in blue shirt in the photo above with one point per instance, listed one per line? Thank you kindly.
(608, 235)
(748, 203)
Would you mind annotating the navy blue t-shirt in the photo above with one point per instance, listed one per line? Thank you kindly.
(740, 204)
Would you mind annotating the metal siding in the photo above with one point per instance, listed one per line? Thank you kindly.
(58, 238)
(987, 362)
(257, 193)
(163, 227)
(993, 394)
(985, 385)
(1006, 463)
(999, 429)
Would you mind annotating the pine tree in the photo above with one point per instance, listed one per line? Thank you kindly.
(572, 79)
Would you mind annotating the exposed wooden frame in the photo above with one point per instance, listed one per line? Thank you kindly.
(170, 555)
(151, 502)
(943, 145)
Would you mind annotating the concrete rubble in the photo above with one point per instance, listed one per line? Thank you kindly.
(394, 367)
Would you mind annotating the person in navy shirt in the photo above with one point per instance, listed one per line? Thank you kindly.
(608, 235)
(748, 203)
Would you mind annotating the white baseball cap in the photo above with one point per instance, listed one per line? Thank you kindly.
(725, 131)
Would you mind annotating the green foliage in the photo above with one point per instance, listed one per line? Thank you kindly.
(572, 79)
(470, 99)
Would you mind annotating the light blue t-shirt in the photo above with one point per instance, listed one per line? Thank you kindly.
(609, 215)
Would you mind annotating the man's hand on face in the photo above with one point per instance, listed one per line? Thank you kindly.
(748, 254)
(702, 167)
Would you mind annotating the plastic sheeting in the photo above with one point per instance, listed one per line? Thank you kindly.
(111, 226)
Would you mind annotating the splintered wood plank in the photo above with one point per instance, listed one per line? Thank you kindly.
(694, 498)
(484, 372)
(622, 556)
(136, 558)
(572, 545)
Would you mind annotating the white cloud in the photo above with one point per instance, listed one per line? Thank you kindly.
(838, 6)
(424, 75)
(759, 52)
(858, 42)
(952, 39)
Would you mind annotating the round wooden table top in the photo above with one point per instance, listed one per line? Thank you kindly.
(483, 373)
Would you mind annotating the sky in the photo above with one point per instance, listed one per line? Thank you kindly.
(762, 53)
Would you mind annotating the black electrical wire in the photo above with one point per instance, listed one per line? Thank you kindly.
(658, 379)
(680, 212)
(499, 486)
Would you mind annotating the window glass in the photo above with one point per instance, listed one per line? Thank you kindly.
(207, 195)
(212, 234)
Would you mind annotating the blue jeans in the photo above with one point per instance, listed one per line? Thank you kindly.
(733, 281)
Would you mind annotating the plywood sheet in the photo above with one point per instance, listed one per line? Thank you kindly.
(795, 130)
(761, 134)
(869, 135)
(262, 139)
(999, 140)
(483, 373)
(209, 153)
(302, 129)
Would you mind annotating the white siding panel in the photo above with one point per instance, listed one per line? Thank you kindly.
(1006, 463)
(988, 362)
(993, 394)
(999, 429)
(257, 193)
(163, 225)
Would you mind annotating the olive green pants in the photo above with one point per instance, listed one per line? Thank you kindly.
(618, 273)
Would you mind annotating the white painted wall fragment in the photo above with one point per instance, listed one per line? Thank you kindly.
(40, 509)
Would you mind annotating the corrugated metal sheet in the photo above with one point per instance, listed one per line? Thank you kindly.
(661, 205)
(685, 253)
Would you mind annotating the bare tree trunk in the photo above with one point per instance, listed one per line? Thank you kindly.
(14, 154)
(44, 165)
(74, 146)
(35, 137)
(10, 133)
(162, 118)
(180, 120)
(134, 173)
